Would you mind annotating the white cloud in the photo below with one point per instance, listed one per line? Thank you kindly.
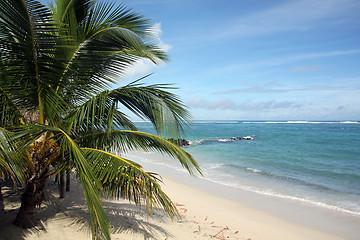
(144, 66)
(157, 32)
(140, 68)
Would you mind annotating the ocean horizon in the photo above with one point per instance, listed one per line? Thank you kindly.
(312, 162)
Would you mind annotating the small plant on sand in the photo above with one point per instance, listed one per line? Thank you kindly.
(58, 111)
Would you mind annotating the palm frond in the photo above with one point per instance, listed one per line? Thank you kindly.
(115, 49)
(10, 160)
(28, 42)
(55, 71)
(91, 185)
(164, 109)
(99, 112)
(122, 178)
(124, 141)
(125, 17)
(10, 115)
(54, 106)
(5, 167)
(117, 36)
(71, 13)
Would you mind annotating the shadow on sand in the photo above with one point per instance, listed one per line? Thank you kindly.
(73, 212)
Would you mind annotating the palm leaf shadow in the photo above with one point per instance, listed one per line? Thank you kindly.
(125, 217)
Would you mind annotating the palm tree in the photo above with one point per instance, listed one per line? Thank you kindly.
(10, 165)
(56, 69)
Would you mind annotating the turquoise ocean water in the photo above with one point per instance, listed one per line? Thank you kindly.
(316, 163)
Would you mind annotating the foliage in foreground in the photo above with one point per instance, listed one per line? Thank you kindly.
(57, 111)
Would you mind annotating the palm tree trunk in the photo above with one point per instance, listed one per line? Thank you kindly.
(2, 206)
(62, 185)
(32, 197)
(68, 181)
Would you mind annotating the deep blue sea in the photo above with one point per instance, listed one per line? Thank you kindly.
(313, 162)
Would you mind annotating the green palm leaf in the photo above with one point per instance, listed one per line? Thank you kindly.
(124, 141)
(10, 162)
(122, 178)
(91, 185)
(164, 109)
(99, 112)
(9, 113)
(27, 39)
(55, 71)
(111, 33)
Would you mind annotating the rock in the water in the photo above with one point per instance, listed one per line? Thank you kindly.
(180, 142)
(241, 138)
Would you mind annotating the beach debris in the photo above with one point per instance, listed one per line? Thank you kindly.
(198, 230)
(220, 235)
(183, 209)
(216, 226)
(236, 232)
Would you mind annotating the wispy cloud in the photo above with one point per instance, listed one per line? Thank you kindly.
(298, 57)
(229, 104)
(283, 60)
(308, 68)
(278, 61)
(268, 89)
(340, 108)
(254, 89)
(298, 15)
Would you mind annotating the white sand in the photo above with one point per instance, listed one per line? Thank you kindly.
(204, 216)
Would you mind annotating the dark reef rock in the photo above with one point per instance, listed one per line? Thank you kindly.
(180, 142)
(241, 138)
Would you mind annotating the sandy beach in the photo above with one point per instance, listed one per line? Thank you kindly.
(208, 211)
(256, 104)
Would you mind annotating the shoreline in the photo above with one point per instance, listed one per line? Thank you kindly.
(208, 211)
(303, 214)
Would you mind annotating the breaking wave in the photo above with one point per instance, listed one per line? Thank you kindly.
(219, 140)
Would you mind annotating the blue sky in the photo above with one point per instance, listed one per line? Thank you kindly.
(259, 60)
